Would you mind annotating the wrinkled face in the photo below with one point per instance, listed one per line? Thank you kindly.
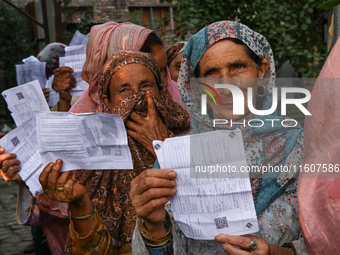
(130, 80)
(226, 59)
(175, 66)
(159, 54)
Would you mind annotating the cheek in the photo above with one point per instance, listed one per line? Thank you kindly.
(116, 99)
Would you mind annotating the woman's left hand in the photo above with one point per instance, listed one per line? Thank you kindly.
(263, 248)
(146, 130)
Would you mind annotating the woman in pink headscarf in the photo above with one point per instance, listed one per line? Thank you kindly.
(319, 193)
(106, 40)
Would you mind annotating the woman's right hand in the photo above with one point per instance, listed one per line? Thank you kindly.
(150, 191)
(9, 166)
(58, 186)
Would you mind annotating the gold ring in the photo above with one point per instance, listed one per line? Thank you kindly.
(60, 189)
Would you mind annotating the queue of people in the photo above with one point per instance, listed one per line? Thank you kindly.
(128, 211)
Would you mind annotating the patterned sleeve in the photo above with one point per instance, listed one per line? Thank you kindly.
(98, 241)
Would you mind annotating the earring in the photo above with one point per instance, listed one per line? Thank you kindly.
(264, 91)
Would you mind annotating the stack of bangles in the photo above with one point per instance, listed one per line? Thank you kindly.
(152, 240)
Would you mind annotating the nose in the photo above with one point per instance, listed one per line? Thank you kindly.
(135, 90)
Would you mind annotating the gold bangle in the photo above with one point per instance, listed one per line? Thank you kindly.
(149, 236)
(158, 245)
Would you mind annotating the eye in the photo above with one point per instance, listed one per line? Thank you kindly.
(123, 90)
(178, 67)
(146, 85)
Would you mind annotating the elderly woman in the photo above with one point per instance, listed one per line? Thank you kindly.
(174, 55)
(130, 84)
(105, 40)
(229, 50)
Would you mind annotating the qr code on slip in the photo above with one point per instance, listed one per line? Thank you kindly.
(221, 222)
(15, 141)
(20, 96)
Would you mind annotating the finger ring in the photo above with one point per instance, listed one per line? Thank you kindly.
(253, 244)
(61, 189)
(4, 169)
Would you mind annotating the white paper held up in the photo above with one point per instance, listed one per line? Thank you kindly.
(23, 141)
(31, 71)
(205, 206)
(23, 101)
(84, 141)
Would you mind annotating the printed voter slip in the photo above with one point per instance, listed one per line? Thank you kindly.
(24, 101)
(83, 141)
(209, 200)
(100, 143)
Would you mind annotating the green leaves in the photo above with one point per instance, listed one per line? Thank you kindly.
(329, 4)
(291, 27)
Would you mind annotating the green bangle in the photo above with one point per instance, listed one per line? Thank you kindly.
(84, 217)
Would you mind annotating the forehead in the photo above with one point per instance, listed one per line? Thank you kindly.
(132, 73)
(225, 50)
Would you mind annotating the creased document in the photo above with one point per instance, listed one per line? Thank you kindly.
(54, 96)
(23, 142)
(31, 71)
(75, 57)
(79, 39)
(23, 101)
(83, 141)
(205, 207)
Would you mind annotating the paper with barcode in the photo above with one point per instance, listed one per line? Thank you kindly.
(208, 204)
(23, 141)
(83, 141)
(24, 101)
(75, 57)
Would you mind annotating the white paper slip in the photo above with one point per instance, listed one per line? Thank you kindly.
(31, 71)
(30, 59)
(79, 39)
(204, 206)
(54, 96)
(61, 61)
(23, 142)
(84, 141)
(23, 101)
(75, 57)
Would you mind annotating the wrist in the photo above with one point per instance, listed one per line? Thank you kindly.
(155, 228)
(82, 206)
(276, 250)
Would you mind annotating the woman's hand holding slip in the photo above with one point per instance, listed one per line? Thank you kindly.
(60, 187)
(9, 166)
(243, 242)
(146, 130)
(150, 191)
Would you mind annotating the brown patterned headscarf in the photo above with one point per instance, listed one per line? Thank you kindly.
(174, 50)
(109, 189)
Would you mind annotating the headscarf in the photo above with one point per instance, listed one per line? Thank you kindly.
(319, 198)
(263, 145)
(174, 50)
(50, 54)
(109, 189)
(104, 41)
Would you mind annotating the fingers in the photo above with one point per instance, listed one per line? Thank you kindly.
(63, 178)
(2, 150)
(43, 178)
(151, 105)
(151, 206)
(241, 241)
(157, 173)
(65, 69)
(231, 250)
(7, 156)
(12, 174)
(136, 117)
(131, 125)
(154, 194)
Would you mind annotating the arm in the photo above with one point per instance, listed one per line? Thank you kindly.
(87, 231)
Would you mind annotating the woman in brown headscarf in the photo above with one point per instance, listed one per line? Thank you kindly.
(130, 84)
